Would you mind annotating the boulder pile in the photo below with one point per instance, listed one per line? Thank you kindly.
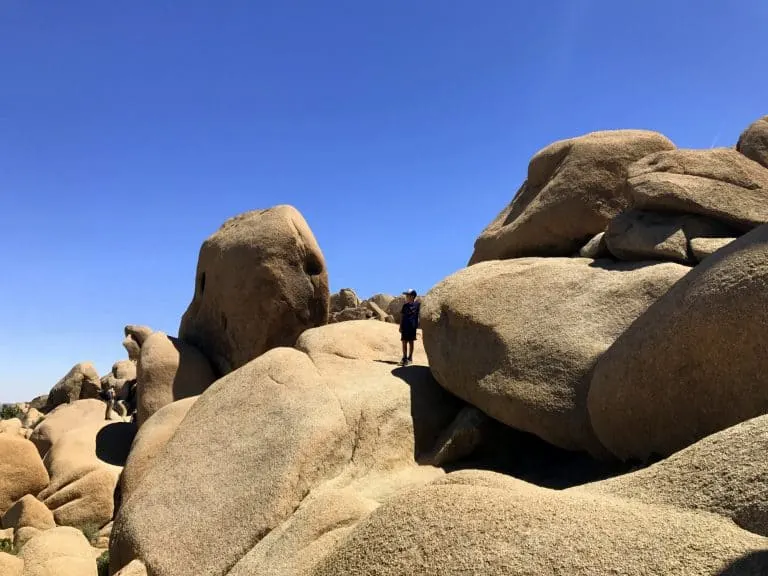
(346, 305)
(591, 398)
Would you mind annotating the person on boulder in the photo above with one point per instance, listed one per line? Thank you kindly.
(108, 395)
(409, 323)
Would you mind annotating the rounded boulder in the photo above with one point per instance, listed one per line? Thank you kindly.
(753, 142)
(573, 188)
(261, 281)
(523, 355)
(694, 363)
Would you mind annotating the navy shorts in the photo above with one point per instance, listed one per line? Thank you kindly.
(408, 335)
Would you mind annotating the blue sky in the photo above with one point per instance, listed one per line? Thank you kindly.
(130, 131)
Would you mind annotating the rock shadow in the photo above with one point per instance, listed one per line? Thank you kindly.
(502, 449)
(113, 442)
(752, 564)
(433, 408)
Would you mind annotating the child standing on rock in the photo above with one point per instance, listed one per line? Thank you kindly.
(409, 323)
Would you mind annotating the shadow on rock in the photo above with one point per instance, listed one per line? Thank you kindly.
(432, 407)
(500, 448)
(752, 564)
(113, 442)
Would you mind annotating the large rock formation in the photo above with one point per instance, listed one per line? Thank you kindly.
(134, 339)
(327, 430)
(81, 382)
(149, 441)
(82, 485)
(58, 552)
(344, 298)
(753, 142)
(480, 522)
(637, 235)
(28, 512)
(726, 473)
(168, 370)
(123, 372)
(524, 356)
(21, 470)
(10, 565)
(261, 281)
(573, 188)
(65, 418)
(694, 363)
(720, 184)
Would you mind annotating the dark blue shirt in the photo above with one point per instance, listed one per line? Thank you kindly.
(410, 316)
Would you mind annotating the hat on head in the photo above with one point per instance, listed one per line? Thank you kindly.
(410, 292)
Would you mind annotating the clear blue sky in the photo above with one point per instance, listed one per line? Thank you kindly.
(130, 131)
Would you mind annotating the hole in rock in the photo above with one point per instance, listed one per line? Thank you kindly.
(113, 442)
(202, 283)
(312, 265)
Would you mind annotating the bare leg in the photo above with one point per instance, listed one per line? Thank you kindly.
(405, 349)
(410, 350)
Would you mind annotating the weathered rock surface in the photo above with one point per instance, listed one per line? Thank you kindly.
(395, 308)
(123, 371)
(79, 455)
(82, 485)
(135, 568)
(524, 357)
(295, 429)
(725, 473)
(694, 363)
(169, 370)
(10, 565)
(703, 247)
(81, 382)
(382, 300)
(637, 235)
(149, 442)
(32, 418)
(21, 470)
(134, 338)
(595, 248)
(378, 313)
(344, 298)
(24, 535)
(65, 418)
(573, 188)
(753, 142)
(11, 426)
(58, 552)
(28, 511)
(261, 281)
(719, 183)
(39, 402)
(350, 315)
(480, 522)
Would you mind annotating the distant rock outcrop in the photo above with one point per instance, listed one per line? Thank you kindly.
(81, 382)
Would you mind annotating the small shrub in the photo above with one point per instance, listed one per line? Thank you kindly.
(102, 564)
(9, 411)
(6, 545)
(91, 532)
